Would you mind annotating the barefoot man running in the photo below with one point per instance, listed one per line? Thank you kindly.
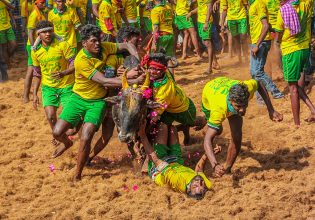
(53, 67)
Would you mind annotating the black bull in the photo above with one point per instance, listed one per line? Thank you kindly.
(130, 109)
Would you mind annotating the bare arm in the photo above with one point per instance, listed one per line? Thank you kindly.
(31, 36)
(7, 4)
(262, 36)
(113, 82)
(236, 124)
(223, 18)
(95, 10)
(130, 47)
(36, 83)
(273, 115)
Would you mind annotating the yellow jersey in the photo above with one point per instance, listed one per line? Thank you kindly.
(215, 99)
(273, 7)
(182, 7)
(116, 6)
(168, 92)
(82, 4)
(29, 8)
(4, 17)
(86, 66)
(130, 8)
(31, 22)
(178, 177)
(162, 16)
(257, 12)
(235, 9)
(114, 61)
(203, 10)
(64, 24)
(106, 10)
(54, 59)
(300, 41)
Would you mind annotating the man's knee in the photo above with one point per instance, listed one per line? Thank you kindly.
(57, 131)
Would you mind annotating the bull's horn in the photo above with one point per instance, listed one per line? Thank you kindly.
(146, 83)
(124, 81)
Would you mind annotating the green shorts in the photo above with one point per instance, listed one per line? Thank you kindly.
(54, 96)
(164, 151)
(166, 42)
(147, 24)
(7, 35)
(93, 111)
(29, 56)
(182, 23)
(204, 35)
(294, 63)
(237, 27)
(187, 117)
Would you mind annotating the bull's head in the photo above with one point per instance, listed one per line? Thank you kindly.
(130, 108)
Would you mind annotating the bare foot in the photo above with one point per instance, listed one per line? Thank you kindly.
(54, 142)
(208, 71)
(77, 178)
(184, 56)
(26, 99)
(61, 149)
(310, 119)
(216, 66)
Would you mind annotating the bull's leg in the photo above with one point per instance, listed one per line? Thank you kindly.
(108, 126)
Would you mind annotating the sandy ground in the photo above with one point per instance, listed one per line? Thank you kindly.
(273, 177)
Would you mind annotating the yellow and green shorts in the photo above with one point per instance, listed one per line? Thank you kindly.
(7, 35)
(166, 42)
(204, 35)
(187, 117)
(182, 23)
(147, 24)
(294, 63)
(237, 27)
(91, 110)
(55, 96)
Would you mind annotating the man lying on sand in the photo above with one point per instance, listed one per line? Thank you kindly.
(166, 166)
(227, 98)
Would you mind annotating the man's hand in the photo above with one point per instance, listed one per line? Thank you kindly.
(188, 16)
(121, 69)
(133, 73)
(215, 6)
(140, 79)
(206, 26)
(254, 50)
(57, 75)
(35, 102)
(276, 116)
(219, 170)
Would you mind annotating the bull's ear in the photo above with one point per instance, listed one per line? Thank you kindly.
(153, 105)
(113, 99)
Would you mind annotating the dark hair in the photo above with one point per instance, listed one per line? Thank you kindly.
(127, 32)
(43, 24)
(88, 31)
(131, 62)
(160, 57)
(239, 94)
